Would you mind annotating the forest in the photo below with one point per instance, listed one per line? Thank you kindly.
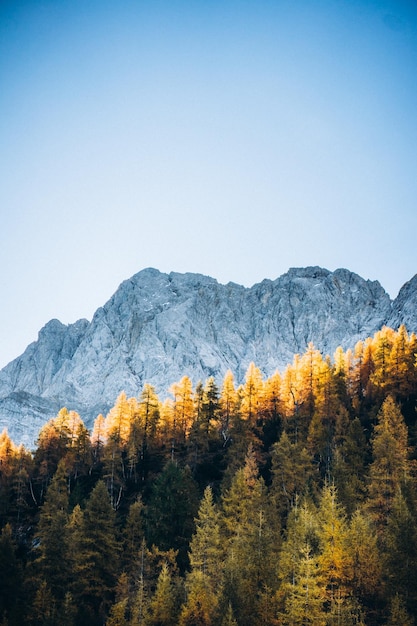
(284, 501)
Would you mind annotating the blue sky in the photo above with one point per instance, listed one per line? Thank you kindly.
(231, 138)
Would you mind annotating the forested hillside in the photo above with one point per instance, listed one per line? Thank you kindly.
(288, 501)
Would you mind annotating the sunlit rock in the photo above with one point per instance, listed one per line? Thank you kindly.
(159, 327)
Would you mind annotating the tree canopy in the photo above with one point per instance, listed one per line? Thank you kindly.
(284, 500)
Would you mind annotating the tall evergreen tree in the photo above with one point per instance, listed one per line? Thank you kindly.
(183, 410)
(10, 579)
(206, 549)
(133, 536)
(204, 431)
(252, 394)
(348, 468)
(44, 610)
(292, 473)
(7, 455)
(228, 405)
(115, 459)
(164, 605)
(95, 564)
(98, 437)
(172, 507)
(300, 594)
(51, 564)
(364, 568)
(390, 467)
(333, 558)
(304, 601)
(250, 542)
(400, 550)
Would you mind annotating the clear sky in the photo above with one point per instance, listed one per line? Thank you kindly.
(234, 138)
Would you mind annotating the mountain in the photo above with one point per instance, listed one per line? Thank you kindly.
(158, 327)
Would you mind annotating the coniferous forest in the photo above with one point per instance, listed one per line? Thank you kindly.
(284, 501)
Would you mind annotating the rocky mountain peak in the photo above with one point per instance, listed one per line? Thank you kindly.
(307, 272)
(158, 327)
(404, 308)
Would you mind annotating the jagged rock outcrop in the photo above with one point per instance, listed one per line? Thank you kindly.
(404, 307)
(158, 327)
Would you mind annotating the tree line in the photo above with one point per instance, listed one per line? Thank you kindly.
(289, 501)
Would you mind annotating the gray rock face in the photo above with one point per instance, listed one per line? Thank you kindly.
(404, 308)
(158, 327)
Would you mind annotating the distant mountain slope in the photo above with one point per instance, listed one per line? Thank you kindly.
(158, 327)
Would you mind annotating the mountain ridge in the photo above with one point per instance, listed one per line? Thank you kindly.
(157, 327)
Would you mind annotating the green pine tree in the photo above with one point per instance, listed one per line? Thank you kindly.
(172, 507)
(400, 551)
(95, 563)
(390, 466)
(163, 606)
(206, 550)
(51, 564)
(250, 543)
(10, 578)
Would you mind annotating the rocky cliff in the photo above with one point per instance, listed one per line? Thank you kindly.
(158, 327)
